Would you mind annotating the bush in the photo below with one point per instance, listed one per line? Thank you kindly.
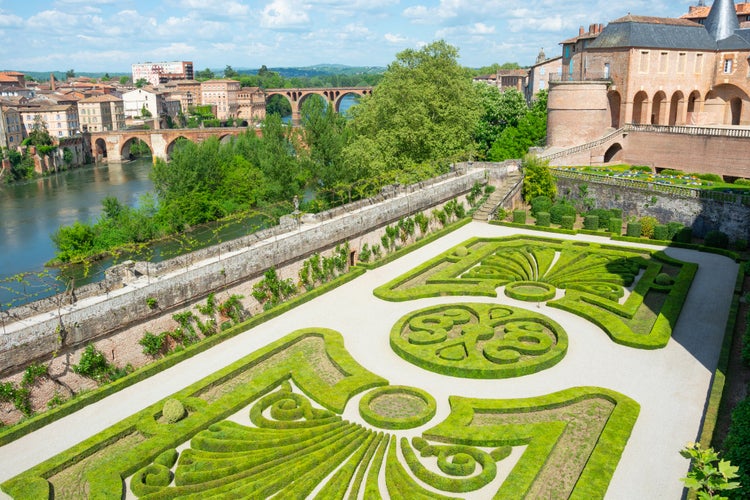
(152, 344)
(742, 182)
(663, 279)
(740, 245)
(661, 232)
(710, 177)
(615, 212)
(460, 251)
(603, 215)
(634, 229)
(567, 222)
(173, 411)
(737, 446)
(648, 224)
(716, 239)
(560, 209)
(33, 372)
(673, 228)
(684, 235)
(542, 219)
(591, 222)
(615, 225)
(541, 203)
(365, 253)
(93, 364)
(519, 216)
(671, 171)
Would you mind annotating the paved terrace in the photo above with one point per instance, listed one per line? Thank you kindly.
(671, 384)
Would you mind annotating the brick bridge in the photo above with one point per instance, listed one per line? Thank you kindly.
(722, 150)
(115, 145)
(333, 95)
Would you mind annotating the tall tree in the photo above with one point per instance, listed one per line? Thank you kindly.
(424, 110)
(229, 72)
(205, 74)
(71, 73)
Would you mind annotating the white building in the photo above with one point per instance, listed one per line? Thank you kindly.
(161, 72)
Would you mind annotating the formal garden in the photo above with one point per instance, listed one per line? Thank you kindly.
(502, 366)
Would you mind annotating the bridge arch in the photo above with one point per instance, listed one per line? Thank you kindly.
(174, 144)
(339, 98)
(613, 153)
(128, 142)
(100, 149)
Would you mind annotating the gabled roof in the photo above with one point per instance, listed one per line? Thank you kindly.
(654, 32)
(100, 98)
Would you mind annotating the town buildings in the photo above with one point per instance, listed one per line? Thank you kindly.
(100, 113)
(222, 95)
(652, 70)
(162, 72)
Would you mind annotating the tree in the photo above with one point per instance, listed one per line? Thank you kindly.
(423, 111)
(140, 83)
(124, 80)
(708, 476)
(145, 112)
(229, 72)
(537, 179)
(39, 135)
(206, 74)
(71, 73)
(106, 77)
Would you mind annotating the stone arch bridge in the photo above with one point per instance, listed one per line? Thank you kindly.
(115, 145)
(333, 95)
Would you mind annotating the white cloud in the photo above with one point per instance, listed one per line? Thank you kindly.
(9, 20)
(53, 20)
(284, 14)
(393, 38)
(481, 29)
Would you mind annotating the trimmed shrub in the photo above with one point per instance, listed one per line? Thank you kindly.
(543, 219)
(648, 224)
(661, 232)
(541, 203)
(634, 229)
(684, 235)
(591, 222)
(615, 212)
(519, 216)
(673, 228)
(663, 279)
(615, 225)
(710, 177)
(561, 209)
(603, 215)
(741, 182)
(567, 222)
(173, 411)
(737, 447)
(740, 244)
(460, 251)
(716, 239)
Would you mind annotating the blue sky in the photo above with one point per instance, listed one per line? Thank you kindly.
(110, 35)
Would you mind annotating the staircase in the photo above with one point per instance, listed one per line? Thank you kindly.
(499, 196)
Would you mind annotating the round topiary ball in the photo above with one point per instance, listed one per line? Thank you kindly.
(460, 251)
(173, 411)
(663, 279)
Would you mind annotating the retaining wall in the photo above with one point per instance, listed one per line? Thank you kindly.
(38, 330)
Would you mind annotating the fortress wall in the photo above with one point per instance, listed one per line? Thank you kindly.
(187, 279)
(702, 215)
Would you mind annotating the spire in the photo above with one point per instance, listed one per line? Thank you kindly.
(722, 20)
(541, 57)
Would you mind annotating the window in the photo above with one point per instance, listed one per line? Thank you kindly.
(681, 58)
(606, 70)
(643, 67)
(698, 63)
(727, 66)
(663, 62)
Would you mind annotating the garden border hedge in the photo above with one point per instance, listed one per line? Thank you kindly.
(378, 420)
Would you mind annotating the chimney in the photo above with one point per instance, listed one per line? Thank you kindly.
(580, 31)
(592, 29)
(52, 82)
(601, 27)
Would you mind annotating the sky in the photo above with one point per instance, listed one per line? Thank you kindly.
(110, 35)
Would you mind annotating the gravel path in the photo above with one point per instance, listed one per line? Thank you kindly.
(671, 384)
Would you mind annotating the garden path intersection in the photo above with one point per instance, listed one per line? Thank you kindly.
(670, 384)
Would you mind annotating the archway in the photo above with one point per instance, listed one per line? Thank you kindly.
(614, 101)
(134, 147)
(100, 149)
(676, 108)
(725, 105)
(614, 152)
(658, 111)
(347, 101)
(175, 144)
(280, 105)
(640, 107)
(693, 107)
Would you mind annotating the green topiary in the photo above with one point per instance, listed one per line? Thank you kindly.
(634, 229)
(615, 225)
(663, 279)
(541, 203)
(615, 212)
(173, 411)
(542, 219)
(684, 235)
(648, 224)
(519, 216)
(603, 215)
(560, 209)
(460, 251)
(661, 232)
(567, 221)
(591, 222)
(716, 239)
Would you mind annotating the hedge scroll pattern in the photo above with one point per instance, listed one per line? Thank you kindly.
(593, 276)
(294, 443)
(479, 340)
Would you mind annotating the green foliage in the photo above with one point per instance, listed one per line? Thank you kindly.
(742, 182)
(538, 180)
(152, 303)
(531, 130)
(567, 221)
(716, 239)
(543, 219)
(365, 253)
(591, 222)
(93, 364)
(173, 411)
(663, 279)
(232, 308)
(661, 232)
(153, 345)
(32, 373)
(737, 446)
(648, 224)
(541, 203)
(271, 290)
(519, 216)
(209, 308)
(420, 416)
(710, 177)
(708, 476)
(424, 110)
(560, 209)
(615, 225)
(634, 229)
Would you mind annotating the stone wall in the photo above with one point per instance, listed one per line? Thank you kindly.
(702, 215)
(45, 327)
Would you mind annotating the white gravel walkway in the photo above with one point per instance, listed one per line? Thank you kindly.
(671, 384)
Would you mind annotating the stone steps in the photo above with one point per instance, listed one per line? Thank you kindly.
(483, 213)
